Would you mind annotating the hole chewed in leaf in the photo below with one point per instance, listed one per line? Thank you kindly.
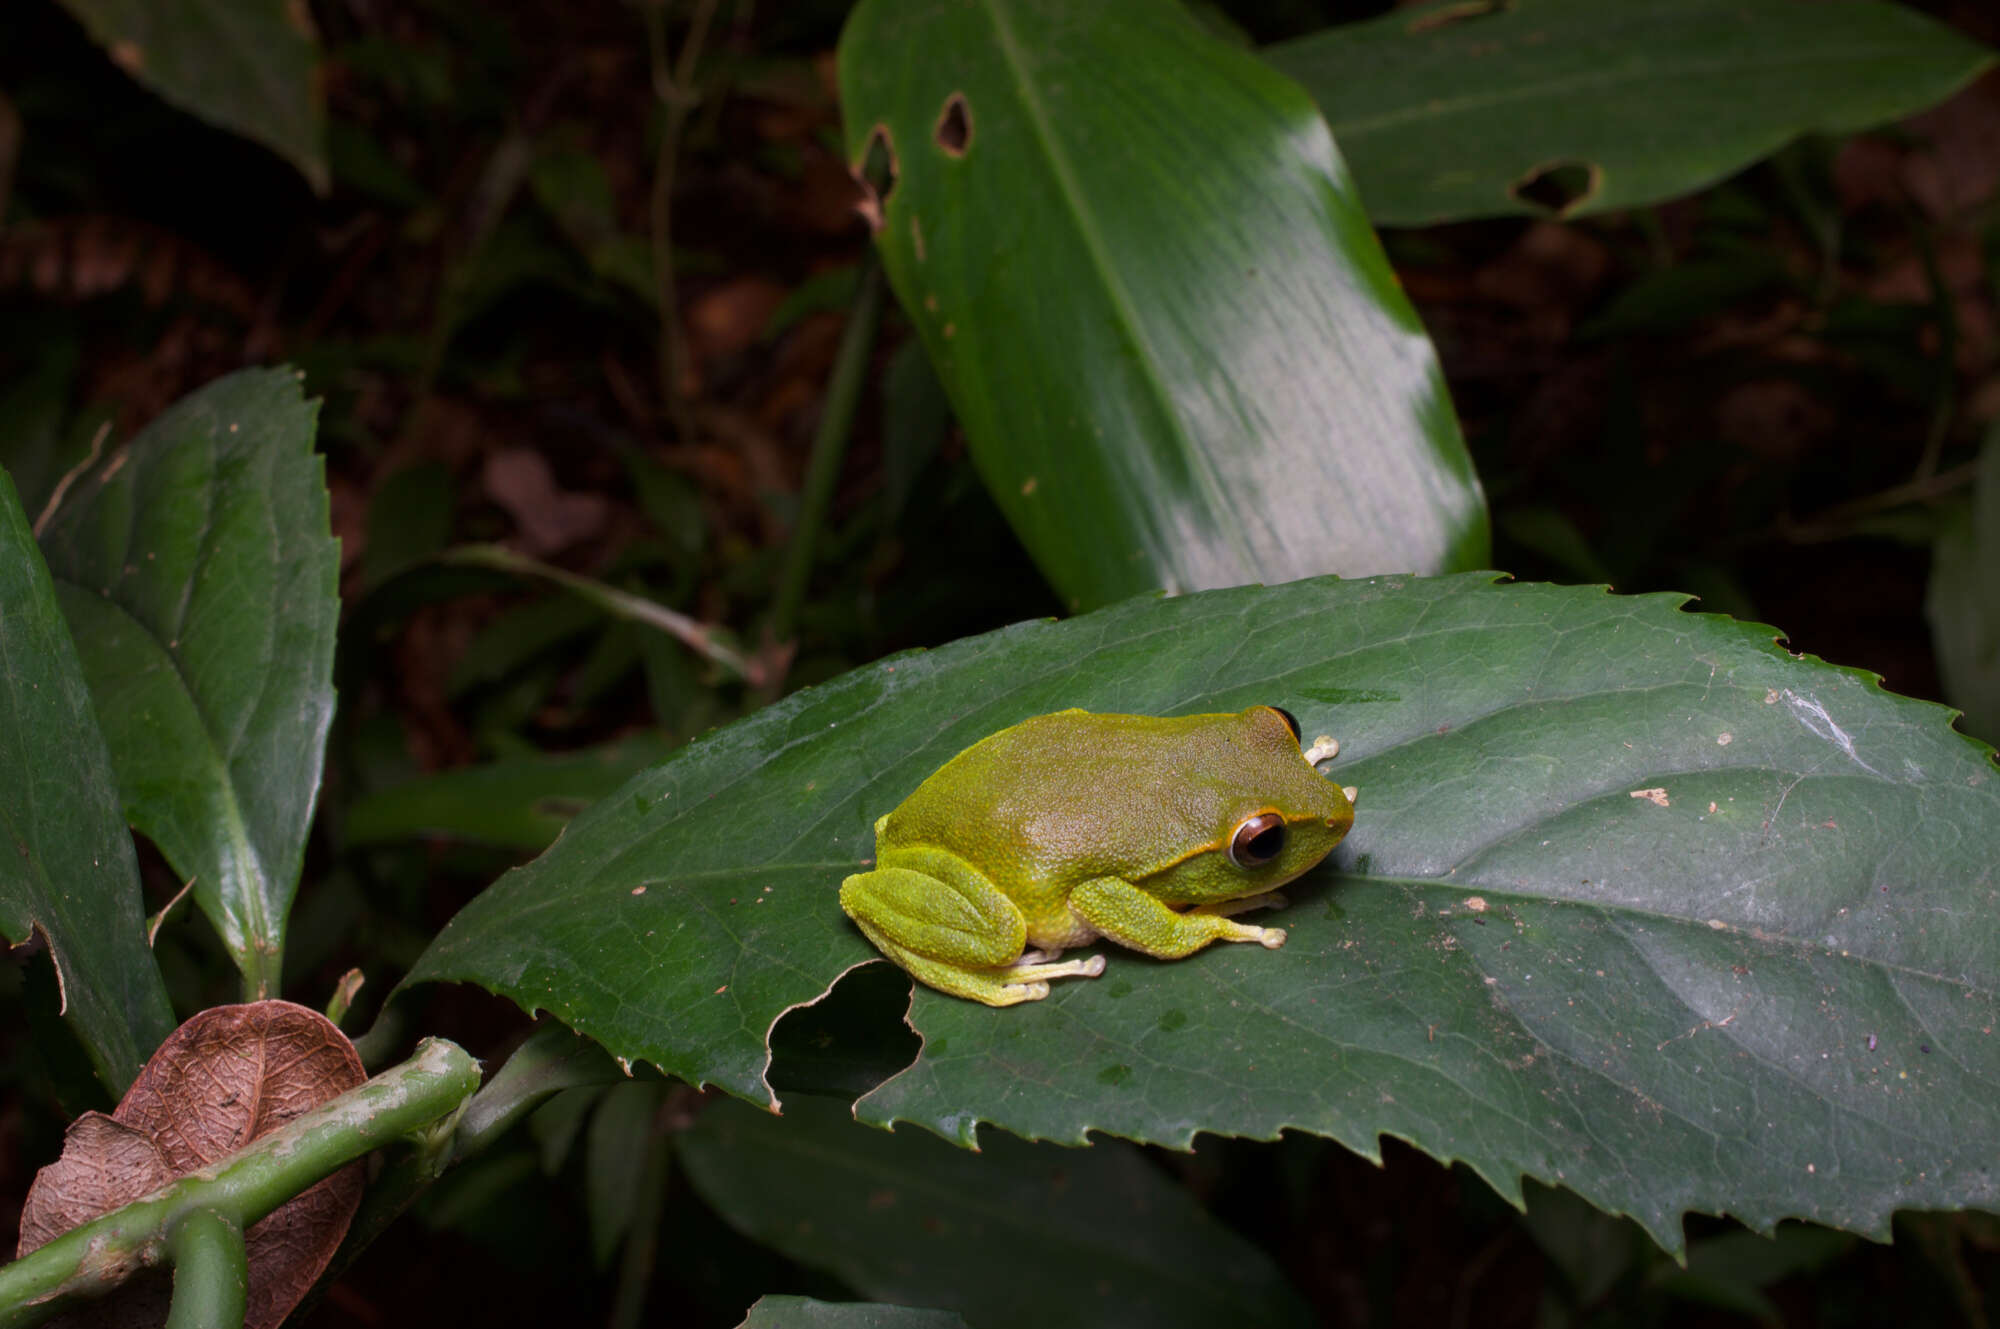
(1558, 188)
(847, 1040)
(954, 126)
(876, 174)
(221, 1080)
(1456, 12)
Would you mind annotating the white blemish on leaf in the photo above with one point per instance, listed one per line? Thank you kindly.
(1814, 717)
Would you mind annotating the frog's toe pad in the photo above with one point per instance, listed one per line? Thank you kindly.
(1016, 993)
(1272, 939)
(1088, 967)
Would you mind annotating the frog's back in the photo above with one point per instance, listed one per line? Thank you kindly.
(1062, 798)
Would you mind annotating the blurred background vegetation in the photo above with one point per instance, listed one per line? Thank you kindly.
(574, 279)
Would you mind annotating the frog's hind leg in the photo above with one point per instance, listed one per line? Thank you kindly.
(952, 929)
(1034, 966)
(1000, 985)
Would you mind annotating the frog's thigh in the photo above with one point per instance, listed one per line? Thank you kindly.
(943, 938)
(938, 906)
(1130, 917)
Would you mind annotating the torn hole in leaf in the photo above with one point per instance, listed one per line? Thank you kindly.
(38, 942)
(1559, 187)
(1461, 11)
(954, 126)
(876, 174)
(848, 1041)
(67, 1066)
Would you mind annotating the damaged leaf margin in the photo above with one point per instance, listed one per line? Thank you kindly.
(1498, 732)
(68, 874)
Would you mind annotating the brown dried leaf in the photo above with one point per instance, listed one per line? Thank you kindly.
(104, 1164)
(548, 517)
(227, 1076)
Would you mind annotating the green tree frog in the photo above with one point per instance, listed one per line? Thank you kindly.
(1073, 826)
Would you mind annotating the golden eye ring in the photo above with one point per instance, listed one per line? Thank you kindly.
(1257, 841)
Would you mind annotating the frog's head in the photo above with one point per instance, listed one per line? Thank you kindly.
(1270, 816)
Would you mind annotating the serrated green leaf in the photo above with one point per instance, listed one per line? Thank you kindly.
(776, 1312)
(197, 572)
(905, 1217)
(1445, 112)
(1134, 255)
(1635, 902)
(247, 66)
(66, 863)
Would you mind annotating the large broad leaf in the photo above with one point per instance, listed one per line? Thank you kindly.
(1136, 259)
(1635, 902)
(66, 865)
(1575, 106)
(1111, 1239)
(197, 572)
(248, 66)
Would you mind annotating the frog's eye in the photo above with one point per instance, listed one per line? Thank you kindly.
(1257, 841)
(1291, 721)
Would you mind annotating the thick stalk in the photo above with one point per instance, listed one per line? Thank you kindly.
(211, 1272)
(92, 1259)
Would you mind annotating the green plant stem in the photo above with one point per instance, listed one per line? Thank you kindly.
(552, 1059)
(836, 422)
(92, 1259)
(211, 1271)
(411, 1167)
(678, 96)
(694, 635)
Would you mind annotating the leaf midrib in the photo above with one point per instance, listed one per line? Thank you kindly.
(1120, 298)
(253, 914)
